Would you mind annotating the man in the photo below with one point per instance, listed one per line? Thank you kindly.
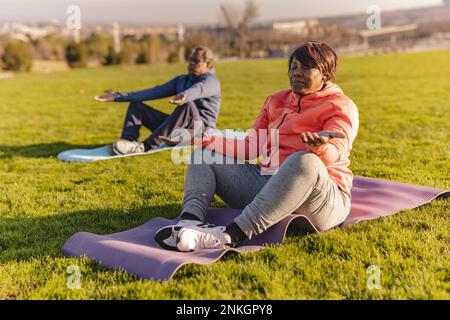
(196, 94)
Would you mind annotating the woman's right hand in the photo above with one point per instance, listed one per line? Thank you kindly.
(108, 96)
(316, 139)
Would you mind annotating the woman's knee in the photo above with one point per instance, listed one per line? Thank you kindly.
(304, 161)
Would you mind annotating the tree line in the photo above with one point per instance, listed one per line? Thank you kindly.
(99, 49)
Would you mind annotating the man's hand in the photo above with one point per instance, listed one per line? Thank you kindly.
(316, 139)
(179, 140)
(178, 99)
(108, 96)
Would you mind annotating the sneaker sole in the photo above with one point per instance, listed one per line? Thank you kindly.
(167, 231)
(116, 153)
(163, 234)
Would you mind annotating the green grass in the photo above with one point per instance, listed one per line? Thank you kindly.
(404, 113)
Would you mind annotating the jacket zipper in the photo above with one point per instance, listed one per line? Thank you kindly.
(279, 125)
(282, 120)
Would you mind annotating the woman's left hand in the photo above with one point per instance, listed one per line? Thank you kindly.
(316, 139)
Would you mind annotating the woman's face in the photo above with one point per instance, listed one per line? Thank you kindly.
(304, 80)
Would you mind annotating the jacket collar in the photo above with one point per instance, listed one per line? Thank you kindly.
(210, 71)
(308, 99)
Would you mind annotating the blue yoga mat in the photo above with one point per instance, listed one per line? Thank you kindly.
(102, 153)
(105, 153)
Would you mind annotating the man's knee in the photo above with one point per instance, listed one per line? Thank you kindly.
(184, 108)
(189, 105)
(136, 105)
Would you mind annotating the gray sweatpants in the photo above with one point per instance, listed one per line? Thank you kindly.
(301, 184)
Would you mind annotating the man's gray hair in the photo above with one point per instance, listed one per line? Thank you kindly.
(205, 53)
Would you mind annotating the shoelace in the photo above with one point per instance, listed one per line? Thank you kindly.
(133, 146)
(210, 240)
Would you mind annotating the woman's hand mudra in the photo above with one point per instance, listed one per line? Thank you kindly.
(316, 139)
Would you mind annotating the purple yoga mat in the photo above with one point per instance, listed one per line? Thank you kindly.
(136, 252)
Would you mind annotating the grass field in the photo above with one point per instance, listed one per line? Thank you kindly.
(404, 113)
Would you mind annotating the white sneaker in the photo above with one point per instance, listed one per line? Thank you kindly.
(166, 237)
(124, 147)
(194, 238)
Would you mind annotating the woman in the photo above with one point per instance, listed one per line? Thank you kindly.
(316, 125)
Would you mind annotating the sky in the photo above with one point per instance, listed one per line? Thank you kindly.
(186, 11)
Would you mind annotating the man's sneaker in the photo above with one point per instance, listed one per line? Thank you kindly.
(124, 147)
(194, 238)
(166, 237)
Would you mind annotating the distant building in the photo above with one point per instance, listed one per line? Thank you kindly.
(299, 27)
(21, 31)
(171, 32)
(390, 36)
